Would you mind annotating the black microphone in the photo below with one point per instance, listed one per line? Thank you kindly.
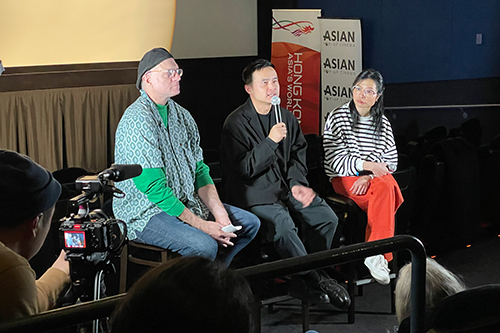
(119, 172)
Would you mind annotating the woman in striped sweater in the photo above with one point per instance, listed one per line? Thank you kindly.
(360, 155)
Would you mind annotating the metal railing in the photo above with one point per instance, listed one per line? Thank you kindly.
(461, 106)
(72, 315)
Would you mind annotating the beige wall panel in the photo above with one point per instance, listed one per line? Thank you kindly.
(48, 32)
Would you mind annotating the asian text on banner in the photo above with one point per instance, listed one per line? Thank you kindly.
(341, 61)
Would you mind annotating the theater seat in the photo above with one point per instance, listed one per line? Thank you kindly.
(447, 214)
(475, 310)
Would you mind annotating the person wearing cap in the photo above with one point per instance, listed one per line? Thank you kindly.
(28, 194)
(173, 204)
(264, 166)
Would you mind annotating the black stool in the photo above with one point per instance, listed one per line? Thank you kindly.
(141, 254)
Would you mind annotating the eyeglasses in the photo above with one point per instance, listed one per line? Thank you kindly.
(169, 72)
(366, 92)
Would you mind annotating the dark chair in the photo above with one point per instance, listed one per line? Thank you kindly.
(269, 293)
(457, 209)
(429, 187)
(212, 160)
(352, 219)
(472, 131)
(475, 310)
(69, 175)
(489, 164)
(145, 255)
(67, 178)
(271, 301)
(416, 149)
(406, 177)
(352, 223)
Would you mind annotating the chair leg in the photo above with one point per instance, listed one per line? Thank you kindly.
(123, 270)
(258, 317)
(351, 285)
(305, 317)
(395, 269)
(393, 296)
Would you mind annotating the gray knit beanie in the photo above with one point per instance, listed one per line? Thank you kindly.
(150, 60)
(26, 189)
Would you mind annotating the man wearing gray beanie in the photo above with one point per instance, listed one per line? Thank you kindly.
(173, 204)
(28, 194)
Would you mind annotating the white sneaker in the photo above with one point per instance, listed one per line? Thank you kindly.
(378, 268)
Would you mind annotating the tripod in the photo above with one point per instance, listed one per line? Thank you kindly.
(87, 272)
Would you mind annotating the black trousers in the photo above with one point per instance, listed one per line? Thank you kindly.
(279, 223)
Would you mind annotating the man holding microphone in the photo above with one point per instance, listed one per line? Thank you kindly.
(264, 166)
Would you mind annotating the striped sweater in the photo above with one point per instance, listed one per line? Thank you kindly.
(346, 148)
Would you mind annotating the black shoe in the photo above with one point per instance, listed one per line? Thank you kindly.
(297, 288)
(339, 297)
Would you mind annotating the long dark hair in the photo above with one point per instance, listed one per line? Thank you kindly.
(377, 110)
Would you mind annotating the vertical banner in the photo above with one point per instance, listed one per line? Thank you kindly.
(296, 56)
(341, 61)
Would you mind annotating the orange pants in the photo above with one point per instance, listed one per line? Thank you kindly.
(381, 201)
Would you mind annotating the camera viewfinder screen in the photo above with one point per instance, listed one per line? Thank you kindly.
(74, 239)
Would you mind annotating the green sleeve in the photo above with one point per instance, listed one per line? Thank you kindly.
(202, 175)
(152, 182)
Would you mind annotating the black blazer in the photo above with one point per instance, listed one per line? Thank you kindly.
(256, 170)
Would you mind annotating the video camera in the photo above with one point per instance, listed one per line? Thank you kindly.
(95, 235)
(88, 232)
(90, 237)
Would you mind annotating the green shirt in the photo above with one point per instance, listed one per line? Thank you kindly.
(153, 183)
(171, 158)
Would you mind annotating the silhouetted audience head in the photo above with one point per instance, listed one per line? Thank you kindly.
(439, 284)
(187, 294)
(28, 193)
